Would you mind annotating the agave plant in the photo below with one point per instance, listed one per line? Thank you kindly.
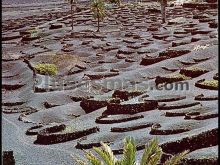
(98, 9)
(151, 156)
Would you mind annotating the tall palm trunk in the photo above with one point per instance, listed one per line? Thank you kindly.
(98, 24)
(163, 10)
(72, 15)
(163, 13)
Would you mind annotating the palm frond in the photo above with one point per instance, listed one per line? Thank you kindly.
(176, 158)
(151, 156)
(129, 153)
(119, 162)
(106, 154)
(92, 159)
(78, 160)
(152, 153)
(98, 9)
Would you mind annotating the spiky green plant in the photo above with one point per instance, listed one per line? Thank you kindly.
(151, 156)
(98, 10)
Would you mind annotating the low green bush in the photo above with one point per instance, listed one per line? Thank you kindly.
(46, 69)
(212, 83)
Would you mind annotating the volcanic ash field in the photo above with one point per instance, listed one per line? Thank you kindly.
(45, 119)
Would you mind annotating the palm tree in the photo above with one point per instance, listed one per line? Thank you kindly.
(71, 2)
(151, 156)
(98, 9)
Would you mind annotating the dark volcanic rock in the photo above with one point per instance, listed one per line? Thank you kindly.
(8, 158)
(173, 53)
(55, 26)
(193, 72)
(126, 95)
(131, 108)
(90, 105)
(51, 135)
(7, 37)
(152, 60)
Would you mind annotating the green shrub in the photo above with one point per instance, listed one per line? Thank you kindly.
(46, 69)
(151, 156)
(212, 83)
(33, 32)
(179, 76)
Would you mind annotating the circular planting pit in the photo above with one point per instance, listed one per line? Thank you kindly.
(202, 140)
(152, 60)
(171, 78)
(173, 53)
(169, 69)
(53, 135)
(195, 39)
(34, 130)
(155, 131)
(133, 108)
(201, 59)
(173, 114)
(96, 76)
(176, 43)
(126, 95)
(49, 105)
(202, 20)
(13, 103)
(126, 51)
(109, 48)
(129, 41)
(178, 105)
(27, 38)
(80, 98)
(135, 127)
(193, 72)
(207, 84)
(160, 37)
(191, 114)
(204, 116)
(12, 86)
(104, 119)
(187, 62)
(206, 98)
(168, 98)
(199, 161)
(12, 36)
(201, 6)
(17, 109)
(92, 104)
(81, 146)
(200, 32)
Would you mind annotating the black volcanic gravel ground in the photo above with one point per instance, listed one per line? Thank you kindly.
(128, 50)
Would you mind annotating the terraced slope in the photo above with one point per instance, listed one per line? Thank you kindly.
(112, 84)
